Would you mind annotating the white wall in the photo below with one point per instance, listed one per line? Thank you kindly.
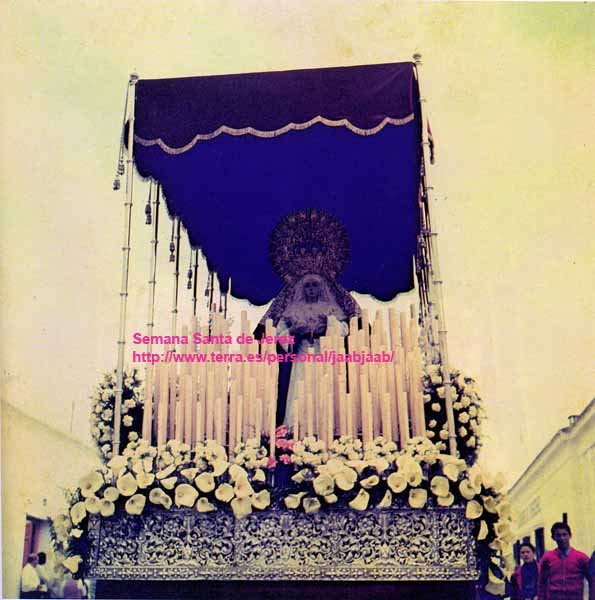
(561, 480)
(38, 463)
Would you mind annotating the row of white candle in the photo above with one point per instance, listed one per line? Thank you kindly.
(223, 401)
(232, 402)
(364, 399)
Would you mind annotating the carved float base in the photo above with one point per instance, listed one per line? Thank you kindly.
(433, 544)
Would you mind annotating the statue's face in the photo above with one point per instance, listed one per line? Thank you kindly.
(311, 290)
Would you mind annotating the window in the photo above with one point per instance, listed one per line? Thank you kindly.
(517, 552)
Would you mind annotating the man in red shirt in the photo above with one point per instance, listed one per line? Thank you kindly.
(562, 571)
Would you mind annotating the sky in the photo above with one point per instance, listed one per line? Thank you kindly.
(509, 91)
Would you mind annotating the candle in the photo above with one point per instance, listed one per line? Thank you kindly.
(411, 395)
(179, 424)
(217, 420)
(419, 401)
(163, 401)
(185, 346)
(193, 330)
(366, 417)
(180, 408)
(386, 417)
(188, 409)
(349, 405)
(194, 397)
(210, 403)
(239, 419)
(233, 415)
(402, 411)
(258, 420)
(225, 407)
(202, 394)
(329, 410)
(200, 420)
(404, 332)
(373, 372)
(296, 410)
(390, 380)
(342, 408)
(148, 407)
(352, 372)
(366, 328)
(309, 414)
(367, 423)
(321, 401)
(173, 397)
(156, 394)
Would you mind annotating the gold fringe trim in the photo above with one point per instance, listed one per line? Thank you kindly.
(271, 134)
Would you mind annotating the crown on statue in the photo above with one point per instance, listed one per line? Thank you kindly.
(309, 241)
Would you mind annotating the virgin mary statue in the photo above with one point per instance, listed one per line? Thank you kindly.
(309, 249)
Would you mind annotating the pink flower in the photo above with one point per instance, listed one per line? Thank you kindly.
(271, 462)
(285, 444)
(281, 431)
(285, 459)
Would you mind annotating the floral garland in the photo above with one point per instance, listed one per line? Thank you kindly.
(467, 407)
(173, 474)
(102, 411)
(377, 475)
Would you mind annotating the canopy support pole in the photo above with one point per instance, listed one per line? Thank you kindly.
(125, 267)
(174, 308)
(153, 264)
(436, 290)
(150, 370)
(195, 282)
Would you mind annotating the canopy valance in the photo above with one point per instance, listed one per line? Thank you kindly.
(235, 154)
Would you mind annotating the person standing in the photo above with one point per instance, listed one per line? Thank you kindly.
(524, 579)
(49, 575)
(31, 586)
(592, 575)
(563, 571)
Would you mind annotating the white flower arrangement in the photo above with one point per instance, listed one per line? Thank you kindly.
(251, 455)
(102, 410)
(309, 452)
(467, 407)
(173, 474)
(375, 475)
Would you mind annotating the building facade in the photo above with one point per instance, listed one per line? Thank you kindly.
(38, 464)
(559, 485)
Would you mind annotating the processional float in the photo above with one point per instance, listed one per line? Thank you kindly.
(276, 178)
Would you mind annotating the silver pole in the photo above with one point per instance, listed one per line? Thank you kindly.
(436, 289)
(149, 371)
(125, 267)
(174, 309)
(153, 264)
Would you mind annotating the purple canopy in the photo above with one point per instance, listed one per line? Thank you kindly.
(346, 140)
